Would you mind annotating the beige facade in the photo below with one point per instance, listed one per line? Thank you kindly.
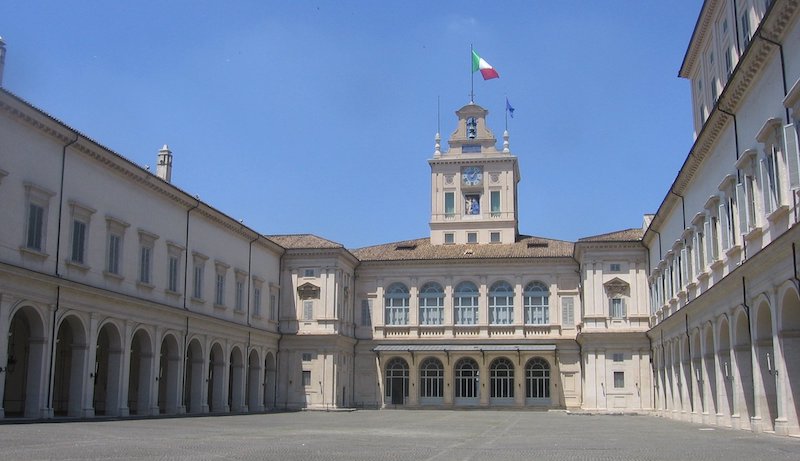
(122, 294)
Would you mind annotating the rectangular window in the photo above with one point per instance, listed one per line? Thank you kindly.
(449, 238)
(257, 301)
(239, 301)
(308, 273)
(568, 311)
(308, 310)
(35, 227)
(728, 61)
(449, 203)
(495, 199)
(619, 379)
(615, 267)
(618, 357)
(617, 308)
(472, 237)
(114, 253)
(745, 20)
(172, 273)
(366, 313)
(494, 237)
(78, 254)
(198, 281)
(145, 264)
(306, 356)
(306, 378)
(219, 292)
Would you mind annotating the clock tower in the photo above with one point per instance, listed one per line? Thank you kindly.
(473, 185)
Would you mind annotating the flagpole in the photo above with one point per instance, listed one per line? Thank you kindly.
(506, 112)
(471, 78)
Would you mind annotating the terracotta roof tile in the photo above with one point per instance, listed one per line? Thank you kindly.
(300, 241)
(627, 235)
(421, 249)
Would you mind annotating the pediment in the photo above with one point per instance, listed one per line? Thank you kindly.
(617, 286)
(308, 291)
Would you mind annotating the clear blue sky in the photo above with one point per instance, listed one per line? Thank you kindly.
(319, 117)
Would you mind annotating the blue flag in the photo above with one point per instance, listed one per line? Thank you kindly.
(509, 108)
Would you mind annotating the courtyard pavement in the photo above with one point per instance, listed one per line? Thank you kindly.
(392, 435)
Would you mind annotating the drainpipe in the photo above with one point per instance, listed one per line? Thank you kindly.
(783, 67)
(683, 206)
(691, 364)
(280, 338)
(61, 201)
(53, 351)
(249, 274)
(750, 334)
(186, 255)
(794, 265)
(185, 362)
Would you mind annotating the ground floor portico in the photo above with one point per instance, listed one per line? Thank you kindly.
(472, 375)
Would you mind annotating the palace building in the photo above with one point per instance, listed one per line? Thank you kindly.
(121, 294)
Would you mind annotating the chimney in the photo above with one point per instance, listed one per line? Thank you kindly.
(164, 165)
(2, 59)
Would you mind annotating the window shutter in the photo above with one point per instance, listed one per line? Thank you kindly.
(684, 267)
(723, 218)
(792, 151)
(622, 307)
(709, 249)
(698, 252)
(741, 204)
(764, 186)
(689, 263)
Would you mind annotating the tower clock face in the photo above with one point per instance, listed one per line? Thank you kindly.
(472, 176)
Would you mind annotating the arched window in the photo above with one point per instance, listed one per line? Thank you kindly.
(431, 304)
(467, 379)
(465, 304)
(431, 378)
(537, 379)
(396, 381)
(396, 304)
(501, 379)
(501, 304)
(537, 304)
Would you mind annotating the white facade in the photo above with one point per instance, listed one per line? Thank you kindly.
(121, 294)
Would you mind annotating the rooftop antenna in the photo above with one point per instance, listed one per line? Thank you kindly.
(471, 78)
(438, 146)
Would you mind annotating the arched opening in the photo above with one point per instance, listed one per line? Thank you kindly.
(108, 371)
(216, 374)
(501, 382)
(236, 380)
(465, 304)
(431, 382)
(253, 381)
(139, 378)
(765, 353)
(537, 382)
(269, 381)
(501, 303)
(467, 382)
(725, 399)
(790, 345)
(744, 405)
(193, 380)
(396, 381)
(168, 374)
(710, 371)
(70, 363)
(24, 364)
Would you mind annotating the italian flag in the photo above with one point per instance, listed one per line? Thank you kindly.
(479, 64)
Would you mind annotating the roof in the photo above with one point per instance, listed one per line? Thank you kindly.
(626, 235)
(422, 249)
(303, 241)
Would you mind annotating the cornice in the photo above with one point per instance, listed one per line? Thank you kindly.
(701, 30)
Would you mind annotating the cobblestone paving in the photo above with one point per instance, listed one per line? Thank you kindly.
(392, 435)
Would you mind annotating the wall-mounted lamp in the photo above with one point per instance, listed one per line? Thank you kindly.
(11, 365)
(699, 375)
(770, 368)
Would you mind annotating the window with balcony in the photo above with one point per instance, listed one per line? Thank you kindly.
(536, 299)
(465, 304)
(501, 304)
(396, 302)
(431, 304)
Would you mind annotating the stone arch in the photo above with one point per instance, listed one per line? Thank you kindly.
(767, 401)
(107, 370)
(744, 405)
(140, 377)
(168, 374)
(396, 373)
(70, 366)
(236, 380)
(789, 340)
(25, 363)
(193, 377)
(709, 368)
(270, 374)
(216, 375)
(253, 390)
(725, 395)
